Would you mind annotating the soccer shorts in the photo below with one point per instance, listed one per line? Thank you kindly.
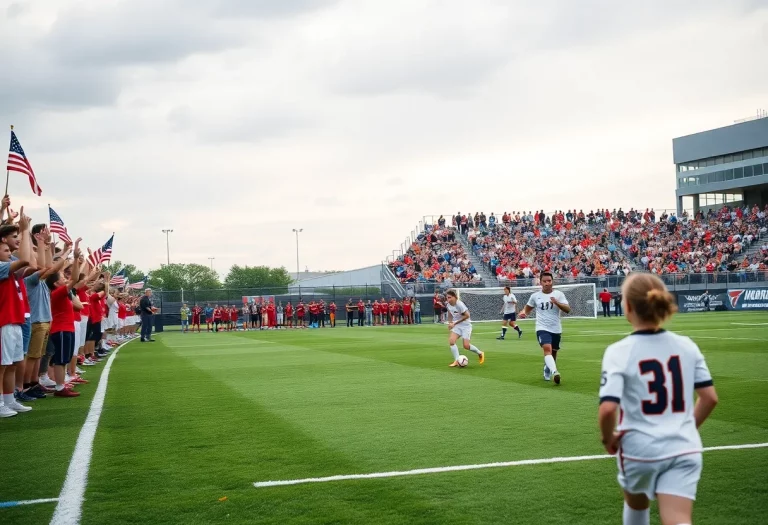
(112, 321)
(83, 332)
(548, 338)
(94, 331)
(39, 340)
(63, 347)
(677, 476)
(11, 344)
(279, 318)
(120, 323)
(510, 317)
(465, 332)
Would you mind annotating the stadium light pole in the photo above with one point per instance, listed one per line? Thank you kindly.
(168, 244)
(211, 259)
(297, 232)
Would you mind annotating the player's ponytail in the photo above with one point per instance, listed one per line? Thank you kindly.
(648, 298)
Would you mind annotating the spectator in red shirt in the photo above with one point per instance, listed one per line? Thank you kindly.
(360, 313)
(605, 300)
(406, 314)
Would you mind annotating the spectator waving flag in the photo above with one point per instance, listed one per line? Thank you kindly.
(118, 279)
(139, 285)
(57, 226)
(103, 254)
(17, 161)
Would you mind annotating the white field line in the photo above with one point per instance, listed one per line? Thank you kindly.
(70, 506)
(455, 468)
(751, 324)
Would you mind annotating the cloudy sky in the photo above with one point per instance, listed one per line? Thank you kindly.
(234, 121)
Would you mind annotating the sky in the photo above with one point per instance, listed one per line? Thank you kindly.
(233, 122)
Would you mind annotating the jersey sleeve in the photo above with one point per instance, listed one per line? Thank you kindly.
(513, 299)
(612, 377)
(532, 301)
(5, 270)
(701, 376)
(561, 298)
(461, 307)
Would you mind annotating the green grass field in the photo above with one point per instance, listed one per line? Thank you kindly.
(194, 418)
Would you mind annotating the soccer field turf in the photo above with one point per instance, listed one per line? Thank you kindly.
(195, 418)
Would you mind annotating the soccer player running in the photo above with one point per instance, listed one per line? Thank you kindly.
(460, 327)
(509, 309)
(651, 375)
(548, 304)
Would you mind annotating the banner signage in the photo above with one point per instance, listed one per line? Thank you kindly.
(748, 299)
(704, 302)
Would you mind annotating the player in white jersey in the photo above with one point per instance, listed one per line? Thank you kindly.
(548, 304)
(652, 375)
(460, 327)
(509, 310)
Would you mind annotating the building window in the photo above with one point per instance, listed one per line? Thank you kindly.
(728, 174)
(758, 169)
(747, 155)
(747, 171)
(738, 173)
(737, 157)
(728, 159)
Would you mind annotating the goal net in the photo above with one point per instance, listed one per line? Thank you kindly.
(485, 304)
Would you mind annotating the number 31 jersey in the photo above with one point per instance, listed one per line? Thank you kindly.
(653, 375)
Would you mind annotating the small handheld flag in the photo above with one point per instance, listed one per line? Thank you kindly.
(17, 161)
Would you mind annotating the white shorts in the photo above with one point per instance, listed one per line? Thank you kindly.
(279, 318)
(112, 321)
(677, 476)
(463, 331)
(82, 333)
(11, 344)
(120, 323)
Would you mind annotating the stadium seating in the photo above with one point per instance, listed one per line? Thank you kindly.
(573, 245)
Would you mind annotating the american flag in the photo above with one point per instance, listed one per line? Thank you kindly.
(103, 254)
(17, 161)
(57, 226)
(118, 279)
(139, 285)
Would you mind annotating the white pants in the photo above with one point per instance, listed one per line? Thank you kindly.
(83, 332)
(11, 344)
(279, 318)
(677, 476)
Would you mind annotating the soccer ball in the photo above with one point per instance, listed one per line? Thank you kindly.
(463, 361)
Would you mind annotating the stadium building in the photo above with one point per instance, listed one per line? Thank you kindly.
(723, 166)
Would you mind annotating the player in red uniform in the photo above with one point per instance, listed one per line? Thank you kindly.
(288, 314)
(196, 313)
(332, 311)
(233, 317)
(216, 318)
(225, 318)
(376, 312)
(271, 314)
(407, 311)
(360, 313)
(300, 315)
(393, 312)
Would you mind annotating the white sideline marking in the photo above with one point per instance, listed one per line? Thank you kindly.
(70, 506)
(751, 324)
(455, 468)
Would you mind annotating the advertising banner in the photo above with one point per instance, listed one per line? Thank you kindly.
(703, 302)
(748, 299)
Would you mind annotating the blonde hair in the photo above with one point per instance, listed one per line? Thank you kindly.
(649, 298)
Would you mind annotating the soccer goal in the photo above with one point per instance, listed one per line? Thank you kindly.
(485, 303)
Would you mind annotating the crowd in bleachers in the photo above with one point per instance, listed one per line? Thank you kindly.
(436, 256)
(520, 245)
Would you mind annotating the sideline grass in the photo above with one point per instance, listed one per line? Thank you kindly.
(194, 418)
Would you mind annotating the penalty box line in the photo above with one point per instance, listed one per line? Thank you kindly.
(456, 468)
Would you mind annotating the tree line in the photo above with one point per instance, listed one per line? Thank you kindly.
(200, 277)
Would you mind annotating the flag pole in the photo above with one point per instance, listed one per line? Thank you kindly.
(7, 173)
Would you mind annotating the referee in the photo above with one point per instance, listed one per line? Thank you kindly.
(147, 311)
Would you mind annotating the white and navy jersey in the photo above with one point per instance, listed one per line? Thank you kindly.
(510, 304)
(547, 314)
(457, 311)
(652, 375)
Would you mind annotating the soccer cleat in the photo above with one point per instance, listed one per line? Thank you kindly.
(7, 412)
(547, 373)
(46, 381)
(18, 407)
(500, 338)
(23, 396)
(455, 363)
(556, 377)
(88, 362)
(79, 371)
(519, 334)
(37, 392)
(66, 393)
(79, 380)
(481, 356)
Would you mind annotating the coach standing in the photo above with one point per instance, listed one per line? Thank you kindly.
(147, 311)
(605, 299)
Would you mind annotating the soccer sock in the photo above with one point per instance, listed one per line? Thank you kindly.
(8, 399)
(550, 362)
(455, 352)
(503, 331)
(517, 329)
(636, 517)
(475, 349)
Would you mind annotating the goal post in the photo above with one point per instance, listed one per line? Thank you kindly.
(485, 303)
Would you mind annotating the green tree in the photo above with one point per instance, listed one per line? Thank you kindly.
(186, 276)
(257, 277)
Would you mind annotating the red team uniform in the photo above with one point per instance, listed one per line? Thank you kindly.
(288, 315)
(196, 313)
